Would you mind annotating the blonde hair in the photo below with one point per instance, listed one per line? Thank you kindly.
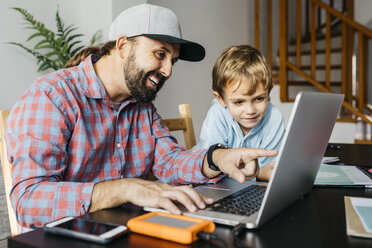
(238, 62)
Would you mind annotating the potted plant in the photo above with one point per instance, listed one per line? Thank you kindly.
(53, 50)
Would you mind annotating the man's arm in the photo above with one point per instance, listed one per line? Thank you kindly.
(240, 164)
(175, 165)
(147, 194)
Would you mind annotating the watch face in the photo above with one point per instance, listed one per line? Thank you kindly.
(220, 145)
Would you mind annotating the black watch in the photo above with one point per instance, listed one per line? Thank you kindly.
(211, 149)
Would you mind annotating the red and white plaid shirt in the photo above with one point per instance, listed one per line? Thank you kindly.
(64, 135)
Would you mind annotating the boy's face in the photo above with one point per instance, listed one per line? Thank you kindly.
(247, 110)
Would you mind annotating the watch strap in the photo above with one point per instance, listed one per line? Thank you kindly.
(211, 149)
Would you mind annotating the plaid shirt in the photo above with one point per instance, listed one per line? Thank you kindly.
(64, 135)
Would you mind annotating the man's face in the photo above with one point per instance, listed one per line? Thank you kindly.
(247, 110)
(148, 66)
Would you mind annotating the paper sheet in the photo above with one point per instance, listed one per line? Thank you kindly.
(363, 207)
(330, 160)
(341, 175)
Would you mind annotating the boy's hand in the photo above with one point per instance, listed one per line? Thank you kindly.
(266, 171)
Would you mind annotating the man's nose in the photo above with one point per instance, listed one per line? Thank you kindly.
(166, 68)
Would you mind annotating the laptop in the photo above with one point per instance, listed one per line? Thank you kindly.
(297, 163)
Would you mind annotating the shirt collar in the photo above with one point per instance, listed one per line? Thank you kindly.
(91, 84)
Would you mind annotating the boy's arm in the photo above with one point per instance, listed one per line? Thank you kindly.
(215, 128)
(266, 171)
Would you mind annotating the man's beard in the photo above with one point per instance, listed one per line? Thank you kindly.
(136, 80)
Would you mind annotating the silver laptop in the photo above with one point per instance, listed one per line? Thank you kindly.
(302, 149)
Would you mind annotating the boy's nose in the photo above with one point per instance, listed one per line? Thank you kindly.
(250, 109)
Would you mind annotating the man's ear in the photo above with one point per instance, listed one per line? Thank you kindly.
(219, 98)
(121, 45)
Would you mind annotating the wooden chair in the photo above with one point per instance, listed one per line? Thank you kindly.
(184, 123)
(7, 177)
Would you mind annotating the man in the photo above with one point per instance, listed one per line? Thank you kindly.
(81, 138)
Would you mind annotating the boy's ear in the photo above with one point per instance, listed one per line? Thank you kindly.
(219, 98)
(269, 90)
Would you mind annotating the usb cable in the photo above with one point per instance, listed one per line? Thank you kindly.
(205, 236)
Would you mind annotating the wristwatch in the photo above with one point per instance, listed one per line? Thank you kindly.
(211, 149)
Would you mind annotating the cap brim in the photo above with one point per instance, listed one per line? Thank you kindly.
(189, 50)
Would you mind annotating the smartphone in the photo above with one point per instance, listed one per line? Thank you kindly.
(85, 229)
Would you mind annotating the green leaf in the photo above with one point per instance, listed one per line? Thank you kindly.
(70, 29)
(71, 45)
(76, 50)
(96, 37)
(52, 53)
(38, 45)
(72, 37)
(48, 46)
(33, 36)
(52, 50)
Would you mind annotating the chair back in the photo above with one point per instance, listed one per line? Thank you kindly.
(184, 123)
(7, 176)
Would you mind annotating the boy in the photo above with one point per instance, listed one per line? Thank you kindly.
(241, 114)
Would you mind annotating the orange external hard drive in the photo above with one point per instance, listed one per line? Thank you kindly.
(177, 228)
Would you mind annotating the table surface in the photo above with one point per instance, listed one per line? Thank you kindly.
(315, 220)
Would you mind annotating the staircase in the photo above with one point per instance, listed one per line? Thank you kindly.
(328, 52)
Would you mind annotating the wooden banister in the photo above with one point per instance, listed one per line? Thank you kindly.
(344, 18)
(257, 23)
(315, 21)
(328, 51)
(324, 89)
(283, 50)
(269, 34)
(363, 63)
(313, 40)
(298, 34)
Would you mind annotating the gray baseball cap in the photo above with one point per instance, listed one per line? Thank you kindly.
(156, 23)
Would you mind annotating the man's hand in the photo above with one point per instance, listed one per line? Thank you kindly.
(239, 163)
(266, 171)
(146, 194)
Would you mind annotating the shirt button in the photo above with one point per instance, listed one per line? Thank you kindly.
(118, 145)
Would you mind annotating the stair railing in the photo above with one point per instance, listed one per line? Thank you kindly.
(354, 103)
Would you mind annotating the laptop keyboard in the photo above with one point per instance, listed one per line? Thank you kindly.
(244, 202)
